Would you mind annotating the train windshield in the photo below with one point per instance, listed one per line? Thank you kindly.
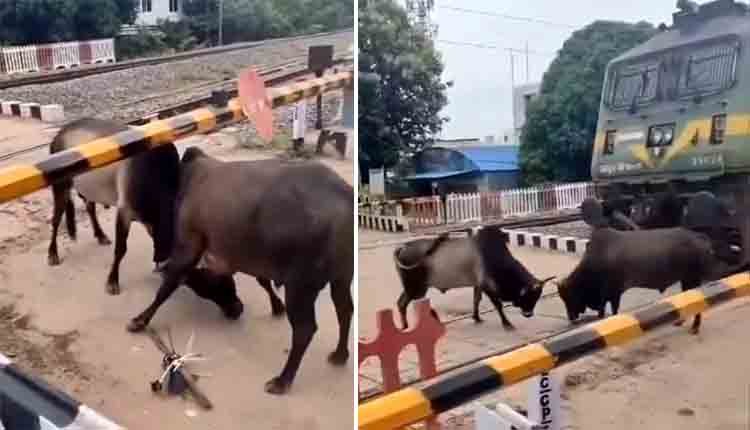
(708, 70)
(696, 70)
(634, 85)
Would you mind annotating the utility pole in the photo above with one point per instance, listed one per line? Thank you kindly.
(527, 61)
(221, 22)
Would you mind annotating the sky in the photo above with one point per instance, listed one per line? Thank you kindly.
(480, 101)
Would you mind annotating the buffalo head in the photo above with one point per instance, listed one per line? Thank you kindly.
(529, 296)
(574, 303)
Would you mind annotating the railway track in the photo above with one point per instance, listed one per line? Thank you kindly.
(70, 74)
(273, 74)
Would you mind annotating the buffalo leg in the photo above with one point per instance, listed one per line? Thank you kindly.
(61, 196)
(403, 303)
(185, 256)
(300, 303)
(499, 306)
(70, 218)
(277, 306)
(122, 229)
(614, 303)
(341, 294)
(98, 232)
(477, 300)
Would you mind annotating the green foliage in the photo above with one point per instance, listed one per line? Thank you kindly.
(142, 44)
(43, 21)
(400, 91)
(247, 20)
(558, 136)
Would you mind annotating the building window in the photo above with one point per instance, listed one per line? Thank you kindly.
(174, 5)
(145, 5)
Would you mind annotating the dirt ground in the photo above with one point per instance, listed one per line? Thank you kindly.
(668, 379)
(59, 323)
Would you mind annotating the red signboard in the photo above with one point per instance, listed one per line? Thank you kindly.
(255, 103)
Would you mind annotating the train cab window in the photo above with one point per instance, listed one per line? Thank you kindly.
(709, 69)
(718, 129)
(634, 84)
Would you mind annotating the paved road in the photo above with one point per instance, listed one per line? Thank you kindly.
(669, 379)
(116, 367)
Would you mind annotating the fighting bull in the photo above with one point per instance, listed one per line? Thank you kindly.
(291, 222)
(481, 261)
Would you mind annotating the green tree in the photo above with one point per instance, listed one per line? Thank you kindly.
(558, 136)
(43, 21)
(401, 92)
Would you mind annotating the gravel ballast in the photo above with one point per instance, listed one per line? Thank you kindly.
(114, 95)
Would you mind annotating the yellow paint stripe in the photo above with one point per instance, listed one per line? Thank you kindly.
(683, 142)
(236, 107)
(205, 120)
(740, 282)
(618, 329)
(159, 132)
(101, 151)
(522, 363)
(394, 410)
(17, 181)
(738, 125)
(641, 153)
(688, 303)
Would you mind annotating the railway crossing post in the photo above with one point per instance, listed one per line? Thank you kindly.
(543, 409)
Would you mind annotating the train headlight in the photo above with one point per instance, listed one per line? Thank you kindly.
(668, 135)
(656, 137)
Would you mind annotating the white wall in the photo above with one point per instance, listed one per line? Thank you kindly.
(159, 10)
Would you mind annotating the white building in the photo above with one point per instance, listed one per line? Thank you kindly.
(522, 96)
(151, 11)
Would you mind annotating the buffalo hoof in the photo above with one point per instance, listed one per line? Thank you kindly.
(113, 288)
(694, 330)
(679, 323)
(53, 260)
(136, 325)
(104, 240)
(509, 327)
(277, 386)
(478, 319)
(234, 310)
(338, 358)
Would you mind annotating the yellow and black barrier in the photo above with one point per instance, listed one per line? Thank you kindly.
(411, 405)
(19, 180)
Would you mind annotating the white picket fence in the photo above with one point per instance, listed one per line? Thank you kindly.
(52, 56)
(462, 208)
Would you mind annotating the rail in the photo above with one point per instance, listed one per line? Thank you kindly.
(412, 405)
(22, 179)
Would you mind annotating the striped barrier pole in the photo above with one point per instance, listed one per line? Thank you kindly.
(411, 405)
(19, 180)
(29, 403)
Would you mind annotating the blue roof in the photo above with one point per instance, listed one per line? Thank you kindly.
(481, 158)
(438, 175)
(492, 158)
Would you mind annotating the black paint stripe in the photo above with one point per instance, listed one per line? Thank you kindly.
(63, 165)
(655, 315)
(570, 245)
(36, 112)
(183, 124)
(15, 109)
(36, 396)
(573, 345)
(132, 141)
(718, 292)
(224, 115)
(536, 241)
(458, 389)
